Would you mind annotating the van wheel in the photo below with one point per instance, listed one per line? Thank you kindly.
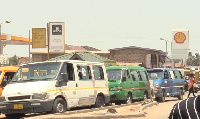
(59, 106)
(129, 99)
(180, 96)
(99, 102)
(162, 99)
(196, 90)
(14, 116)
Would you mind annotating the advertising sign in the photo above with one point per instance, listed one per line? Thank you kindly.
(57, 37)
(180, 39)
(180, 43)
(38, 37)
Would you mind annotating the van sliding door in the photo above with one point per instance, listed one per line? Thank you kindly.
(85, 85)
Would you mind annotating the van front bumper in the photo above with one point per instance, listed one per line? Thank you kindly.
(117, 95)
(27, 106)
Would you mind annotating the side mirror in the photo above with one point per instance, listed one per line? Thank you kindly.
(64, 77)
(4, 82)
(62, 81)
(123, 79)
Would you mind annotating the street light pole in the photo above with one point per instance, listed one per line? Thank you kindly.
(166, 44)
(1, 46)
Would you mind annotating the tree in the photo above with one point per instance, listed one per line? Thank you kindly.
(13, 60)
(193, 60)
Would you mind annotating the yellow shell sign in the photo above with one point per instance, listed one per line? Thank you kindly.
(179, 37)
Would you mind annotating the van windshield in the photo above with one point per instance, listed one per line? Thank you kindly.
(114, 74)
(155, 74)
(35, 72)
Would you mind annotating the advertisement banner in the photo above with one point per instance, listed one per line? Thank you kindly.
(180, 44)
(56, 37)
(180, 39)
(38, 37)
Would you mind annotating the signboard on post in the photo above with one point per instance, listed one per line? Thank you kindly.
(56, 37)
(180, 43)
(38, 37)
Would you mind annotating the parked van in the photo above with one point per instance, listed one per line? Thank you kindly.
(127, 83)
(167, 82)
(55, 86)
(6, 73)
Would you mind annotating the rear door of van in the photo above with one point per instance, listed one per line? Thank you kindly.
(178, 82)
(136, 79)
(128, 83)
(143, 84)
(85, 85)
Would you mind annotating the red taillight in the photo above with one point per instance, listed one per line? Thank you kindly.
(158, 87)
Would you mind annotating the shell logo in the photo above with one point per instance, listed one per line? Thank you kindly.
(179, 37)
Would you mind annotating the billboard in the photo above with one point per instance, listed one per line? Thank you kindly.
(38, 37)
(180, 44)
(180, 39)
(56, 37)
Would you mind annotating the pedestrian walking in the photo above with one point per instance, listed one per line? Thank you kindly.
(188, 108)
(192, 81)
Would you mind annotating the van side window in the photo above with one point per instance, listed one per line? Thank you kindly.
(172, 74)
(84, 73)
(140, 78)
(143, 75)
(177, 74)
(70, 71)
(135, 75)
(128, 75)
(166, 75)
(67, 68)
(98, 72)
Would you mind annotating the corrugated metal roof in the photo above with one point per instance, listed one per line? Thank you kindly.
(87, 56)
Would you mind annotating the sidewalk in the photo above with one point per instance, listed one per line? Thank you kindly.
(119, 111)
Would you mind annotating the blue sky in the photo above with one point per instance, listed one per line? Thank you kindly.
(104, 24)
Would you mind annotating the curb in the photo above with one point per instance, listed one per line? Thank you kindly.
(147, 105)
(140, 113)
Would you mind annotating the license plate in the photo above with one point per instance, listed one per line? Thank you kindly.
(18, 106)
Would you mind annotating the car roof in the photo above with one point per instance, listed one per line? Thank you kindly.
(124, 67)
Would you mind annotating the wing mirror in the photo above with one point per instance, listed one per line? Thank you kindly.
(62, 80)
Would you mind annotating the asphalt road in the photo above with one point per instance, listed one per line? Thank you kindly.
(158, 111)
(162, 110)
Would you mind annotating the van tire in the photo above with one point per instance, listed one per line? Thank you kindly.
(162, 99)
(59, 106)
(180, 96)
(99, 101)
(129, 99)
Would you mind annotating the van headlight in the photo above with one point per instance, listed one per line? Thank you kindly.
(42, 96)
(2, 99)
(116, 88)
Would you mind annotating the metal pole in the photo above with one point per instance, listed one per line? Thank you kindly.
(48, 38)
(166, 46)
(29, 48)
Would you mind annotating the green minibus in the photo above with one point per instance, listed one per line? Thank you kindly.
(127, 83)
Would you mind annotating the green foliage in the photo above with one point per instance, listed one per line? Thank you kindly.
(13, 60)
(193, 60)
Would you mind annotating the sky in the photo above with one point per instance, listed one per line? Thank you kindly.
(104, 24)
